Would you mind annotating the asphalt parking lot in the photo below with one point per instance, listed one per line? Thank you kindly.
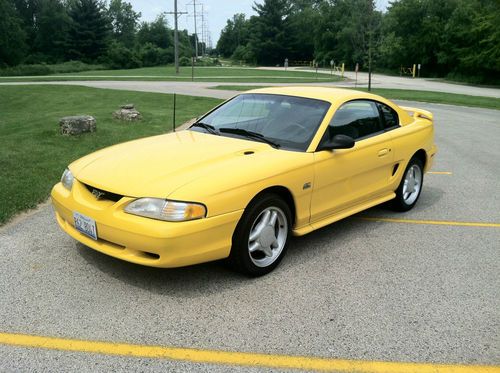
(358, 290)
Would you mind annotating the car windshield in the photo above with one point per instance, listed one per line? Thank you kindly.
(285, 122)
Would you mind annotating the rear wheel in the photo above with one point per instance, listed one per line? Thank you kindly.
(410, 187)
(261, 237)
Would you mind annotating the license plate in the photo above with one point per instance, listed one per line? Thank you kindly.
(85, 225)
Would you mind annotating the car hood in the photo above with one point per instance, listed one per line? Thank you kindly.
(157, 166)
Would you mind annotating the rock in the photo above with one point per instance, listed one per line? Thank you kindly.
(127, 112)
(76, 125)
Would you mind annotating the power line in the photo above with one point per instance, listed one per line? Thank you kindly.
(207, 40)
(195, 16)
(202, 31)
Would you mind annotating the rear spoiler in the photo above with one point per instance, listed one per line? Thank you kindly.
(418, 113)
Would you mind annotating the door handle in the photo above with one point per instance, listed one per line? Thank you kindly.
(383, 152)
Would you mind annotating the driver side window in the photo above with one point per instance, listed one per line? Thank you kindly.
(357, 119)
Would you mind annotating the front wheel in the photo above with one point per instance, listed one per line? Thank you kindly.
(261, 237)
(410, 187)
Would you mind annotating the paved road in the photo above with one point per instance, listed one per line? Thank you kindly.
(186, 88)
(388, 81)
(203, 88)
(354, 290)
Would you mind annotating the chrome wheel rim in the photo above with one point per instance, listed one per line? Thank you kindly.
(412, 184)
(267, 236)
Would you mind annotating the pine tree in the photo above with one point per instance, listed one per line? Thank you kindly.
(269, 31)
(53, 25)
(12, 36)
(88, 36)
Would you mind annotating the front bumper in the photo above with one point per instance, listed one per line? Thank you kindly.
(142, 240)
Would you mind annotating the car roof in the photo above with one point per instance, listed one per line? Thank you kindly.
(331, 95)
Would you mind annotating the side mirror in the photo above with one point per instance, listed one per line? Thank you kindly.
(338, 142)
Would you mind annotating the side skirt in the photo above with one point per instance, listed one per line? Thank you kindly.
(342, 214)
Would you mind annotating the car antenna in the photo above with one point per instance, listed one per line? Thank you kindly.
(173, 118)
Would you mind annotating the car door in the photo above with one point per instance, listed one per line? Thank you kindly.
(347, 177)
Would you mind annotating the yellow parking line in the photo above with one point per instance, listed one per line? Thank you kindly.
(440, 172)
(433, 222)
(236, 358)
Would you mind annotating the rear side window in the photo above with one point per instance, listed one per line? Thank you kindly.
(357, 119)
(390, 118)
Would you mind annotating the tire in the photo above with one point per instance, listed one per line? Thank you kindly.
(259, 245)
(413, 178)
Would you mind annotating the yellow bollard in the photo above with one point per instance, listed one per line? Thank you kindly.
(342, 70)
(414, 68)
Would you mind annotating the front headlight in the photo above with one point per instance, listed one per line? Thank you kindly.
(67, 179)
(162, 209)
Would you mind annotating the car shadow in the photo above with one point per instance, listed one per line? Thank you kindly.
(215, 277)
(185, 282)
(430, 196)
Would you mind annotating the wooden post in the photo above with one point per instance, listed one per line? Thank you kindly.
(173, 117)
(192, 69)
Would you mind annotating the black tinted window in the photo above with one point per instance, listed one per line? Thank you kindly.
(390, 117)
(356, 119)
(288, 121)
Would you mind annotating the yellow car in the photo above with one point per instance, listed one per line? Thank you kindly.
(262, 166)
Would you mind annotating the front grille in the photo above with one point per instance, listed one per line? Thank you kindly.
(100, 194)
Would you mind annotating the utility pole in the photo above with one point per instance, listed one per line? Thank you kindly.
(176, 35)
(370, 61)
(202, 31)
(195, 15)
(370, 37)
(206, 32)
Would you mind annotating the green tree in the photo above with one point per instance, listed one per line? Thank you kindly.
(156, 33)
(471, 40)
(89, 32)
(118, 56)
(124, 22)
(27, 10)
(303, 16)
(233, 35)
(269, 38)
(344, 31)
(417, 29)
(53, 25)
(185, 46)
(12, 36)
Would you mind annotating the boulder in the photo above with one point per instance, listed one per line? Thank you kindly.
(76, 125)
(128, 113)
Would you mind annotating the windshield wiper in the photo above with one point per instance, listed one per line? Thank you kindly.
(250, 134)
(207, 127)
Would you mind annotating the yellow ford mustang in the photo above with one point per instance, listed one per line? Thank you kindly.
(239, 182)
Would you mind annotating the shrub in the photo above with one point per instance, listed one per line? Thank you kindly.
(42, 69)
(166, 55)
(243, 53)
(30, 70)
(185, 61)
(149, 55)
(74, 67)
(207, 61)
(120, 57)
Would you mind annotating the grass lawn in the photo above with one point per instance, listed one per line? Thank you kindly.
(32, 152)
(206, 74)
(409, 95)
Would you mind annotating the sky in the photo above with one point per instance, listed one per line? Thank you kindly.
(217, 12)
